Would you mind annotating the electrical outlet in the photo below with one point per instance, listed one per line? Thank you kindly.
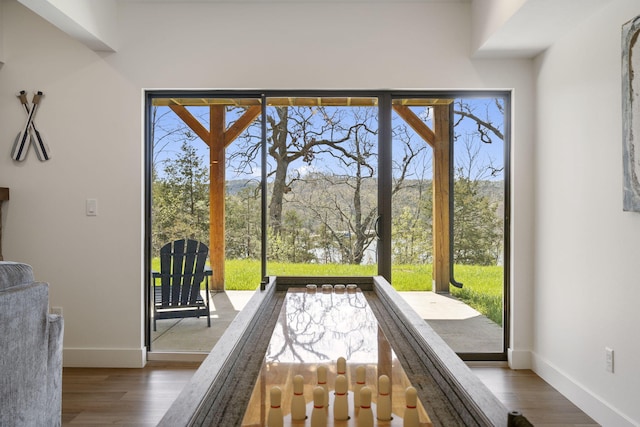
(608, 359)
(56, 310)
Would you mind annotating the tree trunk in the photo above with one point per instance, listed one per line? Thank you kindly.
(278, 152)
(277, 196)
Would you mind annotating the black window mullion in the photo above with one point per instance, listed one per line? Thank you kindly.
(263, 191)
(385, 177)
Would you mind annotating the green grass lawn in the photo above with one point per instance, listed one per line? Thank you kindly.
(482, 288)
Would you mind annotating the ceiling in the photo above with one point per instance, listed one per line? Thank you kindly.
(500, 28)
(294, 1)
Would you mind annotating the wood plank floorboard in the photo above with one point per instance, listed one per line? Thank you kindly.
(524, 391)
(140, 397)
(124, 397)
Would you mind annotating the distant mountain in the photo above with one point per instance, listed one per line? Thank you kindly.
(234, 186)
(492, 189)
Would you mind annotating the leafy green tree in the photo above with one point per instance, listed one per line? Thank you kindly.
(477, 231)
(181, 198)
(243, 224)
(297, 237)
(412, 237)
(476, 234)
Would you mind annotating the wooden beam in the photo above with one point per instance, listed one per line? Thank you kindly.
(217, 195)
(441, 217)
(193, 123)
(416, 123)
(361, 101)
(241, 124)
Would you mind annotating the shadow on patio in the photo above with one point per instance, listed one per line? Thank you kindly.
(462, 327)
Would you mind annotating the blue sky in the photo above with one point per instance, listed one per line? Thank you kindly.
(466, 130)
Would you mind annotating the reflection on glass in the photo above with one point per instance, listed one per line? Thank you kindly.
(321, 327)
(316, 329)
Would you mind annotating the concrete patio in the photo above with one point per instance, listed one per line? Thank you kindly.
(462, 327)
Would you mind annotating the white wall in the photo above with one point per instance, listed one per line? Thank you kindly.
(489, 16)
(1, 40)
(93, 23)
(92, 117)
(586, 276)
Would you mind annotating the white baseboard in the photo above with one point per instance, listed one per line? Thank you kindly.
(603, 413)
(486, 364)
(176, 357)
(104, 357)
(519, 359)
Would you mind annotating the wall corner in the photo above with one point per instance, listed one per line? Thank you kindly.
(519, 359)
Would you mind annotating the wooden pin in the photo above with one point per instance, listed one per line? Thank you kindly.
(340, 403)
(298, 403)
(322, 382)
(384, 399)
(275, 411)
(361, 373)
(341, 366)
(411, 411)
(365, 416)
(318, 414)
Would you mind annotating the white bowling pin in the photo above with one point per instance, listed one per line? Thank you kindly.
(298, 403)
(275, 411)
(340, 403)
(341, 366)
(322, 382)
(411, 412)
(365, 416)
(361, 374)
(318, 414)
(384, 399)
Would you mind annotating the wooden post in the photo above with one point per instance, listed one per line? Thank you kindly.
(439, 139)
(217, 193)
(441, 181)
(218, 138)
(4, 195)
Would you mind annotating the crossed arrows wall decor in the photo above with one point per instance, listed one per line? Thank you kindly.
(29, 135)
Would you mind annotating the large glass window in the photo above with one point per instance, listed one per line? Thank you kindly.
(290, 184)
(322, 186)
(475, 175)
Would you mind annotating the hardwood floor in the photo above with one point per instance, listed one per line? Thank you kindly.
(130, 397)
(140, 397)
(524, 391)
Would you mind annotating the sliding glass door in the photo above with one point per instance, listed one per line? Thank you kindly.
(204, 184)
(467, 307)
(408, 185)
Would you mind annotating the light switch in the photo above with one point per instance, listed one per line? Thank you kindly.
(92, 207)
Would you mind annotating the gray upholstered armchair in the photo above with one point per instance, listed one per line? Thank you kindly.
(30, 351)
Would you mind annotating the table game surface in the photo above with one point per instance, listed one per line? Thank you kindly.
(316, 327)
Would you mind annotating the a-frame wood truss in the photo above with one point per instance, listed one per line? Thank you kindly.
(218, 138)
(439, 139)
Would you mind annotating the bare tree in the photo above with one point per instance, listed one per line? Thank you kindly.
(486, 126)
(294, 133)
(167, 132)
(478, 227)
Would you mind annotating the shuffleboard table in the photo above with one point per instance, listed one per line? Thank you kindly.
(296, 324)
